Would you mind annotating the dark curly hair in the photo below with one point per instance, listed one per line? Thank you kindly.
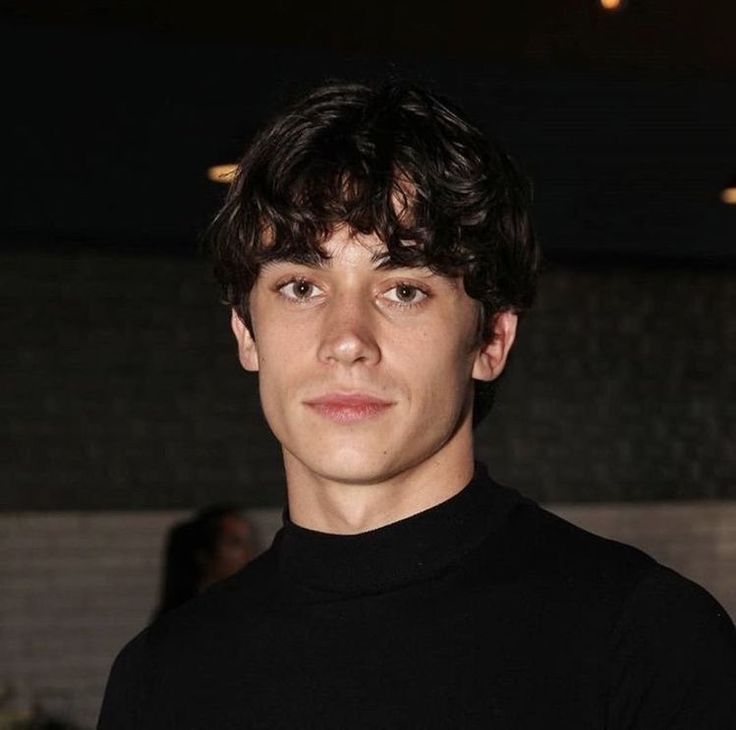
(397, 162)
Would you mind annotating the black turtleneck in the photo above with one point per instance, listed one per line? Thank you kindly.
(484, 611)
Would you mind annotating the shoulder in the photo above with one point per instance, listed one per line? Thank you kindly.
(236, 600)
(666, 647)
(554, 551)
(580, 572)
(126, 685)
(672, 657)
(684, 600)
(204, 624)
(674, 617)
(641, 583)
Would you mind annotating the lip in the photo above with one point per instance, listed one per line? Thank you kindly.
(348, 407)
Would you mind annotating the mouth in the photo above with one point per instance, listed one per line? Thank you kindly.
(348, 407)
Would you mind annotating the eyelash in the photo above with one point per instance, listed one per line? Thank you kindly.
(296, 280)
(408, 285)
(400, 305)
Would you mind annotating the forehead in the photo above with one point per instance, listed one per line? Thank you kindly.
(344, 248)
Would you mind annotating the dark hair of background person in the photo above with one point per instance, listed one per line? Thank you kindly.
(192, 547)
(397, 162)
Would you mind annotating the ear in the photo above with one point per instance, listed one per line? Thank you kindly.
(490, 359)
(247, 351)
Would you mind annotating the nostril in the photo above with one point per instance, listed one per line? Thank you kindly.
(349, 345)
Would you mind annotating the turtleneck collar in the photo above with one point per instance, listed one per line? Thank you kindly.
(397, 554)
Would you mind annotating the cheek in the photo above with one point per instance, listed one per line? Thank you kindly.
(438, 379)
(281, 363)
(273, 387)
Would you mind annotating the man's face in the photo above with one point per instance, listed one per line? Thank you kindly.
(231, 552)
(364, 372)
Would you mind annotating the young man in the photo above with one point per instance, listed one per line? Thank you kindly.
(376, 252)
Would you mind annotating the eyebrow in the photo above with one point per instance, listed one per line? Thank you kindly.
(301, 258)
(380, 260)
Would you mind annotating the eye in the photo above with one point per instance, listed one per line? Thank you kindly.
(299, 290)
(406, 294)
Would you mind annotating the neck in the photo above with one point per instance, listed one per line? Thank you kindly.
(338, 507)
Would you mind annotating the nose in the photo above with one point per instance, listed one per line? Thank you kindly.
(349, 334)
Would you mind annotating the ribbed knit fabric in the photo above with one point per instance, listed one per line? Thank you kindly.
(398, 554)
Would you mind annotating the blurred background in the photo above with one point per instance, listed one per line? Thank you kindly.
(124, 407)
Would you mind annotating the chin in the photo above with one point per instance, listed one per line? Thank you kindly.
(351, 466)
(358, 470)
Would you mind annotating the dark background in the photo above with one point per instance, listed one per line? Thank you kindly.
(121, 385)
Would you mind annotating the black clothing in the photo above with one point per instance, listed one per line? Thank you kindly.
(484, 611)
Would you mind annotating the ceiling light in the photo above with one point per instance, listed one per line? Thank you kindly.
(222, 173)
(728, 195)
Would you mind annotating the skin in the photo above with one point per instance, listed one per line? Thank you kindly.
(404, 335)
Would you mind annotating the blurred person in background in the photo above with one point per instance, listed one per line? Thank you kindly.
(215, 544)
(376, 252)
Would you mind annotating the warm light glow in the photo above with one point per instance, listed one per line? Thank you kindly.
(222, 173)
(611, 4)
(728, 196)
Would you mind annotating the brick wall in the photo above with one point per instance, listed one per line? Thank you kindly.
(74, 587)
(123, 390)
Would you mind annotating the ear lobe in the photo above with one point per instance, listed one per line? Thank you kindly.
(490, 359)
(247, 350)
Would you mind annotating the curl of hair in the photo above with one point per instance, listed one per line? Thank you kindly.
(397, 162)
